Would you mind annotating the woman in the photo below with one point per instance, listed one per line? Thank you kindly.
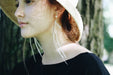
(58, 27)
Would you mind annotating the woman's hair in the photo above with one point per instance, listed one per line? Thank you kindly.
(69, 26)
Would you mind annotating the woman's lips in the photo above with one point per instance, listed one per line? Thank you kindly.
(22, 24)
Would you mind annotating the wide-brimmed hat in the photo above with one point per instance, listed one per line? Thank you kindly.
(9, 8)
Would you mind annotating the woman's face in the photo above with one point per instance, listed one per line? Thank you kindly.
(34, 17)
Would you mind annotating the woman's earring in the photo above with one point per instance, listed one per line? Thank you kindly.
(56, 41)
(38, 47)
(56, 16)
(32, 49)
(56, 24)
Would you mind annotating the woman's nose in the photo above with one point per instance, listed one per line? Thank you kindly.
(19, 13)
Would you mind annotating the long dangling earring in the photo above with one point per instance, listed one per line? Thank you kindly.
(32, 49)
(39, 48)
(56, 41)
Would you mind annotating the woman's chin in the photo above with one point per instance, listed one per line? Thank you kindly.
(26, 35)
(29, 33)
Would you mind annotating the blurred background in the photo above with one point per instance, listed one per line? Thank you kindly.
(97, 36)
(108, 34)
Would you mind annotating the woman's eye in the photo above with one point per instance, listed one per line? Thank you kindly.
(29, 1)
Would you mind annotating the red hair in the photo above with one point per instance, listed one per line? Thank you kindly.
(69, 25)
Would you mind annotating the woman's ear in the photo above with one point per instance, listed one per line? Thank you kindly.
(59, 11)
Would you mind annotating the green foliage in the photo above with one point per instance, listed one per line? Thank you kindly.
(108, 41)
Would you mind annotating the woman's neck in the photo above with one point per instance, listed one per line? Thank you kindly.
(51, 54)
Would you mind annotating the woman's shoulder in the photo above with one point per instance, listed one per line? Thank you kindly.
(79, 56)
(88, 63)
(84, 58)
(72, 50)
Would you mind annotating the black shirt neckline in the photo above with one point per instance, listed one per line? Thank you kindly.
(67, 61)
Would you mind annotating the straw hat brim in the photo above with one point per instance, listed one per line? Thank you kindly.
(9, 8)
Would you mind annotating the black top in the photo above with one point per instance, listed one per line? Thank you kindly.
(83, 64)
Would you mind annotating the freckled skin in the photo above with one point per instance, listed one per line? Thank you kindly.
(41, 17)
(38, 15)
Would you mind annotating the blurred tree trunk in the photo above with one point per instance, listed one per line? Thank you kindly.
(10, 45)
(91, 12)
